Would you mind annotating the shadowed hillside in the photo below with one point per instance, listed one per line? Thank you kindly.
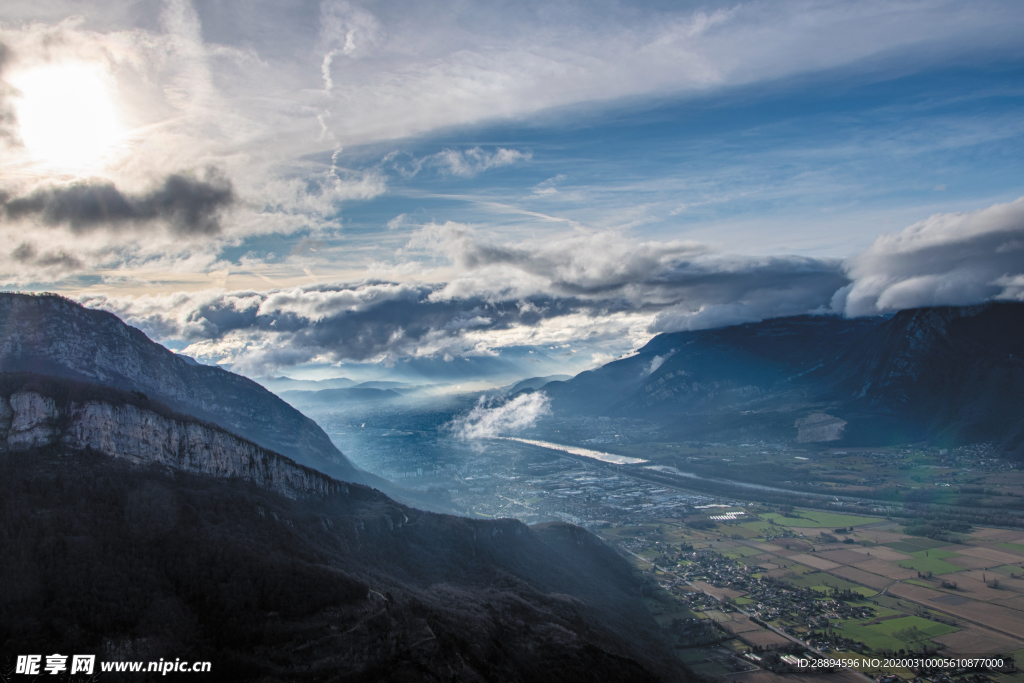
(51, 335)
(951, 375)
(143, 563)
(136, 532)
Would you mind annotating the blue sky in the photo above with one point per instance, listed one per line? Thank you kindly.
(384, 189)
(818, 164)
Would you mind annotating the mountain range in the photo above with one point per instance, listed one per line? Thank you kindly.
(947, 375)
(147, 516)
(53, 336)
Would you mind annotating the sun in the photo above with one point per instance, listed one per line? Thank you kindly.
(66, 116)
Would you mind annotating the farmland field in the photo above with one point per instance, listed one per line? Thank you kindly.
(930, 564)
(896, 634)
(816, 519)
(888, 591)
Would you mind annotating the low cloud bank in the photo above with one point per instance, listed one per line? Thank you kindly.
(583, 287)
(946, 259)
(495, 417)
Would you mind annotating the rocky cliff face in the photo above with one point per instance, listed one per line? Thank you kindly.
(53, 336)
(31, 420)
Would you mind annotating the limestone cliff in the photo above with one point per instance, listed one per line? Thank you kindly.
(51, 335)
(29, 419)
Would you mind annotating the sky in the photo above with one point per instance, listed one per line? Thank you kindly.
(472, 193)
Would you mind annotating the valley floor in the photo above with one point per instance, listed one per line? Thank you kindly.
(742, 570)
(736, 596)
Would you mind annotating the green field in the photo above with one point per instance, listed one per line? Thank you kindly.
(895, 634)
(816, 519)
(824, 582)
(862, 590)
(930, 564)
(740, 551)
(743, 601)
(1008, 569)
(912, 544)
(937, 554)
(1014, 547)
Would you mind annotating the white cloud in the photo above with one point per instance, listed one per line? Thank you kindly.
(473, 161)
(947, 259)
(495, 417)
(255, 90)
(599, 289)
(655, 363)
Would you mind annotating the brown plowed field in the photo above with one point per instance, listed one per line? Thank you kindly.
(972, 640)
(862, 577)
(997, 557)
(719, 593)
(880, 552)
(814, 561)
(765, 638)
(1000, 618)
(843, 556)
(886, 569)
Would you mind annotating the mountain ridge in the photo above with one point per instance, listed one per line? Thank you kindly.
(945, 374)
(45, 412)
(137, 530)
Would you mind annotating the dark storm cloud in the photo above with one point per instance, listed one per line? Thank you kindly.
(356, 322)
(27, 254)
(188, 206)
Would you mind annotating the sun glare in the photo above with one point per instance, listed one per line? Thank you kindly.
(66, 116)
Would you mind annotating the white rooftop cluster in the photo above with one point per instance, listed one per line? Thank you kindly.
(728, 516)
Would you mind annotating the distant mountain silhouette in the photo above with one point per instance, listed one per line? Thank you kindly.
(329, 396)
(279, 384)
(535, 383)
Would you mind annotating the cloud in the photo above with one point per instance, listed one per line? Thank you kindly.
(371, 321)
(389, 70)
(54, 258)
(947, 259)
(262, 92)
(452, 162)
(656, 363)
(473, 161)
(187, 206)
(494, 417)
(691, 286)
(8, 132)
(586, 287)
(547, 187)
